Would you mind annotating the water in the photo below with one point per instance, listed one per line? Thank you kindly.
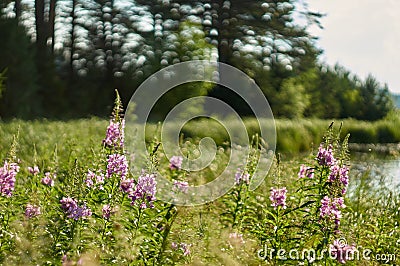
(382, 169)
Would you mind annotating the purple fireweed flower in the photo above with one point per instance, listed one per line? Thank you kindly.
(32, 211)
(94, 179)
(278, 197)
(33, 170)
(341, 251)
(89, 178)
(175, 163)
(341, 174)
(89, 182)
(330, 208)
(7, 178)
(145, 191)
(334, 173)
(181, 186)
(182, 246)
(48, 180)
(306, 171)
(117, 164)
(185, 249)
(73, 211)
(68, 204)
(241, 176)
(344, 175)
(325, 156)
(80, 212)
(115, 134)
(106, 210)
(127, 185)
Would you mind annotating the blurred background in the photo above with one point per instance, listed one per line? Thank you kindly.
(63, 59)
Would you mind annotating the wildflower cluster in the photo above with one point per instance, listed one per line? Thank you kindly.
(339, 176)
(106, 187)
(115, 136)
(34, 170)
(325, 156)
(241, 177)
(32, 211)
(107, 211)
(48, 179)
(117, 164)
(182, 246)
(278, 197)
(73, 210)
(175, 163)
(337, 179)
(145, 191)
(94, 179)
(306, 171)
(7, 178)
(330, 208)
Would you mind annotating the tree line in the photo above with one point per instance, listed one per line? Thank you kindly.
(64, 58)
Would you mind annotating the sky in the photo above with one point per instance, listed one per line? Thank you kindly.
(363, 36)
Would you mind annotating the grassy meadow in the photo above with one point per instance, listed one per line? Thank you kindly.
(240, 228)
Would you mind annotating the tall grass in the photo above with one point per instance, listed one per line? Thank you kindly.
(293, 136)
(301, 134)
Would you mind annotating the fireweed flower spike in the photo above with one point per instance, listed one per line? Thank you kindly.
(185, 249)
(106, 210)
(330, 209)
(278, 197)
(240, 176)
(339, 173)
(117, 164)
(7, 178)
(306, 171)
(73, 211)
(33, 170)
(93, 179)
(325, 156)
(175, 163)
(48, 180)
(127, 185)
(32, 211)
(115, 134)
(145, 191)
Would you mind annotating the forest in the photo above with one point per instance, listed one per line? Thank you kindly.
(63, 59)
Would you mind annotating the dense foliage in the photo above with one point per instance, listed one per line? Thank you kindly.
(59, 54)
